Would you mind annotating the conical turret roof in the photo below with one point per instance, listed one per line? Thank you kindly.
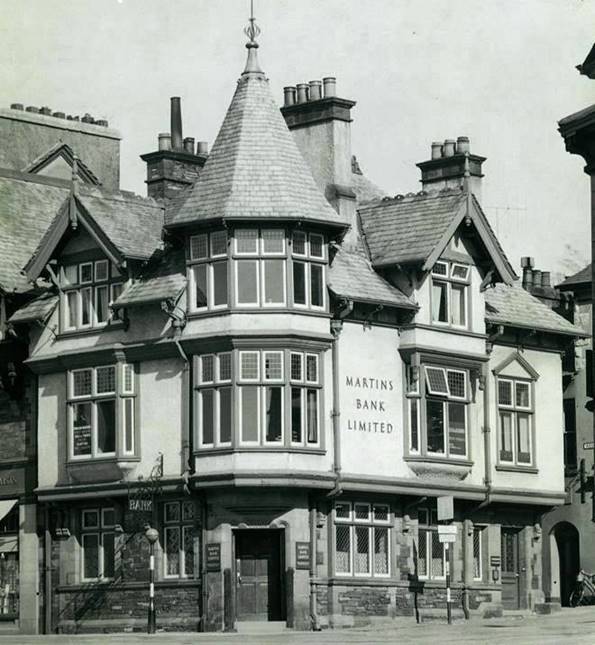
(255, 169)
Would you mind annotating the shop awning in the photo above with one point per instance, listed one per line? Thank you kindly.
(6, 505)
(9, 544)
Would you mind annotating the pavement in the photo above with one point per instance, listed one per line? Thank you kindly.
(567, 626)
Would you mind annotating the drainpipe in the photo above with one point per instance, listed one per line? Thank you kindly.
(313, 589)
(186, 434)
(203, 567)
(336, 328)
(47, 546)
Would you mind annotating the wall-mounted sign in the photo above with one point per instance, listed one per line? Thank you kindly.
(82, 441)
(214, 556)
(12, 482)
(368, 406)
(495, 561)
(140, 505)
(445, 507)
(447, 533)
(588, 445)
(302, 555)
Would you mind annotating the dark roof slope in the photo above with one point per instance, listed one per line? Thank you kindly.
(132, 223)
(255, 169)
(584, 276)
(407, 228)
(38, 309)
(26, 211)
(351, 276)
(512, 305)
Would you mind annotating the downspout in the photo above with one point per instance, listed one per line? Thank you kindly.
(186, 435)
(313, 549)
(336, 328)
(47, 547)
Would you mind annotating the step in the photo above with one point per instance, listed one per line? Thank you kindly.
(439, 615)
(261, 626)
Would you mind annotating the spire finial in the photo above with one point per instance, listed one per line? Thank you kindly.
(252, 31)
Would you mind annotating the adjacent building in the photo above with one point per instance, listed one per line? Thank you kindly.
(281, 369)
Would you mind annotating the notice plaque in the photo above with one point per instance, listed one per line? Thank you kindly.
(447, 532)
(588, 445)
(445, 507)
(214, 556)
(495, 561)
(302, 555)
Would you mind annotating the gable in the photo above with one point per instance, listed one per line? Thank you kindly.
(59, 162)
(516, 365)
(58, 168)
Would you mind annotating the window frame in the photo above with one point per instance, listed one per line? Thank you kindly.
(101, 529)
(515, 411)
(451, 281)
(372, 524)
(122, 398)
(209, 260)
(180, 524)
(430, 528)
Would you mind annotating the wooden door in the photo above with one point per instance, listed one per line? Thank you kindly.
(258, 575)
(510, 568)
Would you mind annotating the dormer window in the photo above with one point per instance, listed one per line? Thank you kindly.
(88, 289)
(449, 298)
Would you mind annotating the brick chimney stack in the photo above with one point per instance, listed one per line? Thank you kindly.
(446, 167)
(176, 163)
(321, 124)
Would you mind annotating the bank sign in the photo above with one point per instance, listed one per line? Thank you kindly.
(369, 404)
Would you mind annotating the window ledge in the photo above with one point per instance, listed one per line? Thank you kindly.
(203, 452)
(192, 315)
(512, 468)
(439, 468)
(90, 331)
(85, 471)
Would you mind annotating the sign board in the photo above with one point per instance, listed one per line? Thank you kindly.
(447, 532)
(447, 537)
(445, 505)
(302, 555)
(214, 556)
(82, 441)
(589, 445)
(495, 561)
(140, 505)
(12, 482)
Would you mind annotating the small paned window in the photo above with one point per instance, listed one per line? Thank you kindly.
(362, 540)
(180, 540)
(431, 556)
(449, 293)
(97, 544)
(515, 411)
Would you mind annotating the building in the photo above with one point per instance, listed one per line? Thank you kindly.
(281, 370)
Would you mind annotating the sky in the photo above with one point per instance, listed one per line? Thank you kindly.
(500, 72)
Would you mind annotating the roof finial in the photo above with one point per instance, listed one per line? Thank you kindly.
(252, 31)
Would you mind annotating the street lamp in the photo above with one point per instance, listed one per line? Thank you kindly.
(152, 536)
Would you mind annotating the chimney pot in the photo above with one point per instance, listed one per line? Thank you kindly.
(527, 262)
(546, 279)
(449, 148)
(536, 278)
(462, 145)
(76, 118)
(176, 123)
(88, 118)
(315, 90)
(59, 115)
(189, 145)
(202, 148)
(330, 86)
(102, 122)
(16, 106)
(436, 149)
(45, 110)
(164, 141)
(527, 278)
(32, 109)
(302, 92)
(289, 95)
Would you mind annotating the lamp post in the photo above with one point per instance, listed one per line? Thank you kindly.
(152, 536)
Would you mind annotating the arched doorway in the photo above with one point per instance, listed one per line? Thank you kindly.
(567, 541)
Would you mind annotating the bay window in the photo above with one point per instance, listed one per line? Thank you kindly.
(308, 270)
(87, 290)
(97, 544)
(272, 397)
(438, 412)
(362, 539)
(449, 294)
(515, 418)
(101, 412)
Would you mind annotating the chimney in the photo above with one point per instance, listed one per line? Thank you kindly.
(527, 264)
(321, 125)
(446, 166)
(175, 164)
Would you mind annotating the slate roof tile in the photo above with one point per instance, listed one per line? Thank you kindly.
(255, 168)
(581, 277)
(352, 276)
(26, 211)
(408, 229)
(38, 309)
(512, 305)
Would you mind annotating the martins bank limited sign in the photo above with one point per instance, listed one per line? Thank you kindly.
(370, 404)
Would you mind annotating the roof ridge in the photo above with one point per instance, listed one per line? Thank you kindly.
(411, 196)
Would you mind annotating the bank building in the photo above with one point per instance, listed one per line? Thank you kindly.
(280, 369)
